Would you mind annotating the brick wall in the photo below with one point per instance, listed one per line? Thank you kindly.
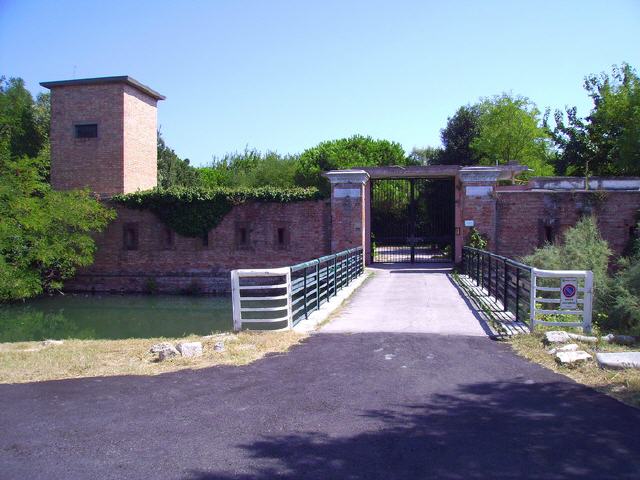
(176, 265)
(140, 140)
(87, 162)
(122, 158)
(524, 219)
(482, 210)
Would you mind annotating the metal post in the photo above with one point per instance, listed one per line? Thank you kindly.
(289, 303)
(318, 285)
(504, 291)
(235, 300)
(304, 294)
(489, 279)
(517, 294)
(532, 300)
(588, 302)
(335, 285)
(477, 269)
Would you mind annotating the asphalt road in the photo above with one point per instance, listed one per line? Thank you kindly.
(353, 406)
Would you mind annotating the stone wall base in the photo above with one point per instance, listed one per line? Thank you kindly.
(218, 283)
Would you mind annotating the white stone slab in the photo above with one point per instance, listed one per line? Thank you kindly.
(573, 357)
(557, 336)
(190, 349)
(618, 360)
(572, 347)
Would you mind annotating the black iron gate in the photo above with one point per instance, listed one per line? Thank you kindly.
(412, 220)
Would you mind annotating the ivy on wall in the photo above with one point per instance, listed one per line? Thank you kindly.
(194, 211)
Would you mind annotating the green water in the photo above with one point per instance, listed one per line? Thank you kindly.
(114, 317)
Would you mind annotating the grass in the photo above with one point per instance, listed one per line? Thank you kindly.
(31, 361)
(621, 384)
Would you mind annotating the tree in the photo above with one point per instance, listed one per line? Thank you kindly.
(251, 168)
(355, 151)
(172, 170)
(461, 130)
(607, 141)
(510, 131)
(427, 155)
(24, 125)
(45, 235)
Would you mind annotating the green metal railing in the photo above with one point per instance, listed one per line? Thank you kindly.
(281, 297)
(315, 282)
(503, 278)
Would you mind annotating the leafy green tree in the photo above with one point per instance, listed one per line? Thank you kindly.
(251, 168)
(510, 130)
(427, 155)
(607, 141)
(44, 234)
(355, 151)
(24, 125)
(172, 170)
(461, 130)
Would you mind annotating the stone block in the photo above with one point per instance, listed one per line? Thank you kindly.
(556, 336)
(190, 349)
(618, 360)
(568, 358)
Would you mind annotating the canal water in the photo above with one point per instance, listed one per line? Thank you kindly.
(114, 317)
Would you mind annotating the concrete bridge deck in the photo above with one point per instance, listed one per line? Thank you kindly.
(409, 298)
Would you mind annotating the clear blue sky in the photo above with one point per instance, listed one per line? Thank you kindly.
(285, 75)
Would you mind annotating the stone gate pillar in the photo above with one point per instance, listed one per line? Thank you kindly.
(478, 201)
(350, 210)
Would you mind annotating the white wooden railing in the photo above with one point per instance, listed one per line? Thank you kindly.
(565, 292)
(279, 283)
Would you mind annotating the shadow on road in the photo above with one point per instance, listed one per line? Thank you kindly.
(486, 430)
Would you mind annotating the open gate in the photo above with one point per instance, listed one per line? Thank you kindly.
(412, 220)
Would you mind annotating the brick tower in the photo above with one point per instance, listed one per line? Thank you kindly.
(103, 135)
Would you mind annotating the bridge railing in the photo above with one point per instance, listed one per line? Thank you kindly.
(527, 292)
(285, 296)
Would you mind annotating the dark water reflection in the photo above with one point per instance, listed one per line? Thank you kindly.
(114, 317)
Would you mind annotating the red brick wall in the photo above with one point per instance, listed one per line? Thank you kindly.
(482, 210)
(140, 140)
(521, 217)
(91, 162)
(307, 235)
(122, 158)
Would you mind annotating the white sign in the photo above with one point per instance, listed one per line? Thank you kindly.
(481, 191)
(469, 223)
(346, 193)
(568, 294)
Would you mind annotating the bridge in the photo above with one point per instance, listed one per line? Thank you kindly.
(488, 295)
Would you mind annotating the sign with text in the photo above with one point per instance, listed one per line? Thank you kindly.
(569, 294)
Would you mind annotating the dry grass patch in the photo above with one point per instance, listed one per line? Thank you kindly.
(31, 361)
(621, 384)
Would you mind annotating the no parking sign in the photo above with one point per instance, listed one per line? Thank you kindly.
(569, 294)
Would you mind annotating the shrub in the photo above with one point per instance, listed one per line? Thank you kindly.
(582, 248)
(193, 211)
(477, 240)
(624, 309)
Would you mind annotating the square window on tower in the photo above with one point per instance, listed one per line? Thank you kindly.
(86, 130)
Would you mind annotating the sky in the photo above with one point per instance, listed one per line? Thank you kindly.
(286, 75)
